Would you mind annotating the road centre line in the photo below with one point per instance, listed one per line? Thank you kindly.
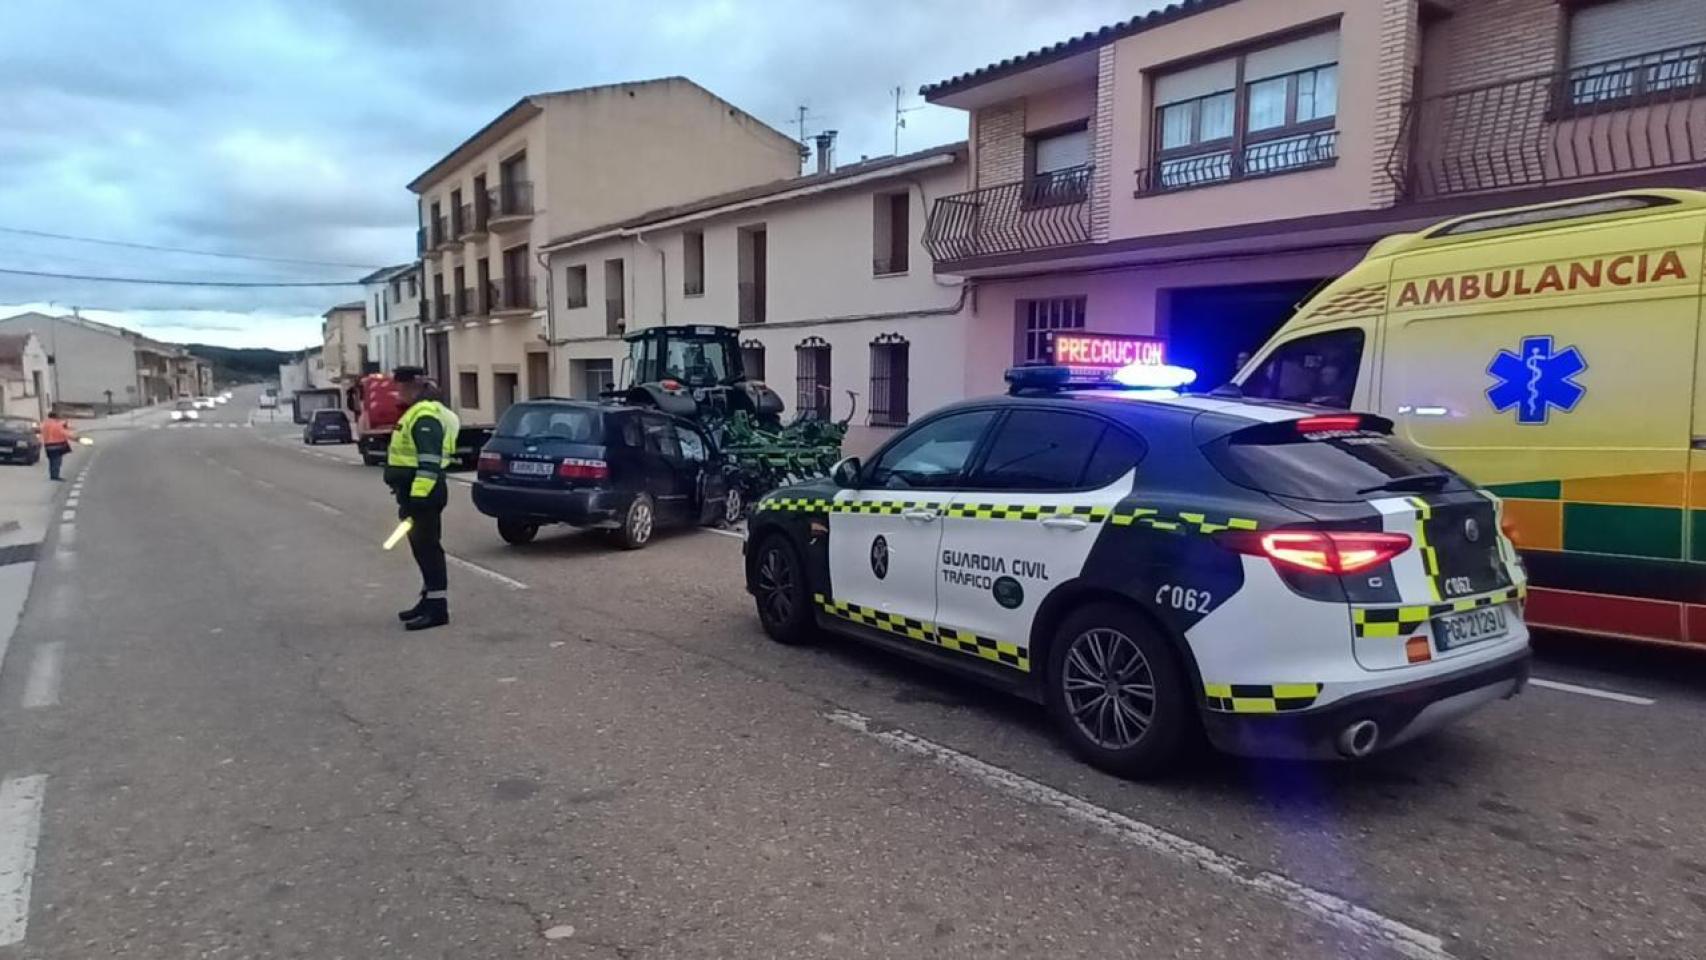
(67, 534)
(1593, 692)
(490, 574)
(1317, 904)
(68, 515)
(41, 689)
(20, 832)
(264, 484)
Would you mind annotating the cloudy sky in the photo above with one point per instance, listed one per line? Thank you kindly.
(288, 129)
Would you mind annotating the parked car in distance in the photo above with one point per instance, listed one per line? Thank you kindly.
(184, 410)
(624, 470)
(324, 425)
(268, 401)
(204, 403)
(20, 440)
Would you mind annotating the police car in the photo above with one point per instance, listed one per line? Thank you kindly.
(1291, 581)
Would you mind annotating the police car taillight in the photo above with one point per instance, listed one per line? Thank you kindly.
(1336, 423)
(1320, 551)
(575, 468)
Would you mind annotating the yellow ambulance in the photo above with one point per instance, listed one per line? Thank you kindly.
(1554, 354)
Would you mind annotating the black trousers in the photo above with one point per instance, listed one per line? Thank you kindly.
(55, 453)
(428, 515)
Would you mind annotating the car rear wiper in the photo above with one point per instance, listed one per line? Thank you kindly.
(1414, 481)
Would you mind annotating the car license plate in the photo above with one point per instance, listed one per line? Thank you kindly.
(530, 468)
(1471, 626)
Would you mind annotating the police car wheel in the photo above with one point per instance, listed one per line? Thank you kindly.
(1117, 691)
(517, 531)
(779, 588)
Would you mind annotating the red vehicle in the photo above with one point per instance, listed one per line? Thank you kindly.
(376, 404)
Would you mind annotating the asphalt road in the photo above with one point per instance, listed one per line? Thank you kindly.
(235, 751)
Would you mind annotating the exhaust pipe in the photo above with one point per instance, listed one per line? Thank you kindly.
(1359, 739)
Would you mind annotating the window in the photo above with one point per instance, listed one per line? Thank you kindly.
(891, 216)
(596, 377)
(693, 263)
(1058, 166)
(396, 291)
(574, 287)
(889, 381)
(552, 421)
(1116, 454)
(1039, 450)
(412, 292)
(934, 454)
(1319, 369)
(615, 297)
(692, 444)
(811, 366)
(1268, 111)
(752, 359)
(1037, 318)
(659, 436)
(468, 389)
(1625, 49)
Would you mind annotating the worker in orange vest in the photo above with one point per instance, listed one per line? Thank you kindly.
(56, 437)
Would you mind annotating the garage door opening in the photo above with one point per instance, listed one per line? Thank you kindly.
(1209, 329)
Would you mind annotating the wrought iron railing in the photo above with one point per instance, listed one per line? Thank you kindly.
(441, 306)
(1624, 116)
(513, 198)
(441, 235)
(1011, 218)
(1266, 158)
(463, 220)
(513, 293)
(465, 302)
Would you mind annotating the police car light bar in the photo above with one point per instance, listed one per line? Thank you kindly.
(1140, 378)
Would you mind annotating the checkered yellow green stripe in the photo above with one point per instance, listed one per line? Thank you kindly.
(1430, 557)
(960, 641)
(971, 510)
(1377, 622)
(1260, 697)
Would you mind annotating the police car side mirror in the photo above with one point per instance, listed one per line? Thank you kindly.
(846, 473)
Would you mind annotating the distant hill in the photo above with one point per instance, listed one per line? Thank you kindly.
(240, 364)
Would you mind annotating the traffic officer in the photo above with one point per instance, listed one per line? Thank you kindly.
(423, 443)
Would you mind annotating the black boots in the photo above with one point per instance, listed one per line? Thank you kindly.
(432, 613)
(414, 611)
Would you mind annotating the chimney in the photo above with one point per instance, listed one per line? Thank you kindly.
(825, 151)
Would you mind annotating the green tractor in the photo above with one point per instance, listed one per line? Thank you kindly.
(695, 372)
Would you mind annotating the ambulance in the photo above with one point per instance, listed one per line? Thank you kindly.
(1551, 354)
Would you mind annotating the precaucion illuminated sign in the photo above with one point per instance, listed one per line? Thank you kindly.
(1107, 351)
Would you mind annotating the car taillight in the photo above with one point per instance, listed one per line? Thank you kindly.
(575, 468)
(489, 462)
(1320, 551)
(1333, 423)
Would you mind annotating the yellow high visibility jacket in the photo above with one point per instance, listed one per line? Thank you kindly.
(424, 441)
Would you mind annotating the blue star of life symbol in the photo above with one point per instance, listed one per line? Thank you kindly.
(1535, 379)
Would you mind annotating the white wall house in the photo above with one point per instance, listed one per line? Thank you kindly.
(26, 385)
(94, 363)
(393, 320)
(825, 276)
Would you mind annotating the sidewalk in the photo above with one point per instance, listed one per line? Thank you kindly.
(28, 499)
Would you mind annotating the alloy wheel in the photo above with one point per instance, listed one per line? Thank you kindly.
(640, 522)
(776, 585)
(1109, 688)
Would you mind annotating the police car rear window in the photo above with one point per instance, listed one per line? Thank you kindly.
(1331, 465)
(552, 422)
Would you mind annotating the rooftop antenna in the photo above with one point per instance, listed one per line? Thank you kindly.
(900, 117)
(801, 115)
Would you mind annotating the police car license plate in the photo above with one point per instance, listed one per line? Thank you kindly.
(1471, 626)
(531, 468)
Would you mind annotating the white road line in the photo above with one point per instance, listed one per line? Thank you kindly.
(490, 574)
(41, 689)
(1593, 692)
(67, 535)
(326, 507)
(725, 533)
(20, 832)
(67, 515)
(1318, 904)
(264, 484)
(71, 501)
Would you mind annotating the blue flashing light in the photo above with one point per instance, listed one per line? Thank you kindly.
(1139, 380)
(1154, 376)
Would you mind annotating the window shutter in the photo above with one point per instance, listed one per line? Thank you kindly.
(1063, 151)
(1629, 28)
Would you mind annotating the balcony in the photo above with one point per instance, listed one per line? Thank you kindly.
(1620, 117)
(513, 295)
(441, 307)
(1051, 210)
(420, 241)
(442, 236)
(752, 302)
(1267, 158)
(511, 204)
(465, 302)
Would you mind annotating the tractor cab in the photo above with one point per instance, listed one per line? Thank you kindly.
(694, 372)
